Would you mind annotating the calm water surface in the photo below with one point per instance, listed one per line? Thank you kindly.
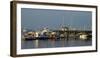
(31, 44)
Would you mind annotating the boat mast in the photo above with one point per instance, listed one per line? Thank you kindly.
(62, 23)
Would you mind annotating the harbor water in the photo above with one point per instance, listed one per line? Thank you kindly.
(50, 43)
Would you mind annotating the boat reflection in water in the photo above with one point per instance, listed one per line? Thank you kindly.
(50, 43)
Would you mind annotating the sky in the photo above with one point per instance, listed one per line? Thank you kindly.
(53, 19)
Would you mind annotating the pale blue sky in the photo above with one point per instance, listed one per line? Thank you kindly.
(39, 18)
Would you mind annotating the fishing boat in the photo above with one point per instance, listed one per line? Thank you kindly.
(29, 36)
(83, 36)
